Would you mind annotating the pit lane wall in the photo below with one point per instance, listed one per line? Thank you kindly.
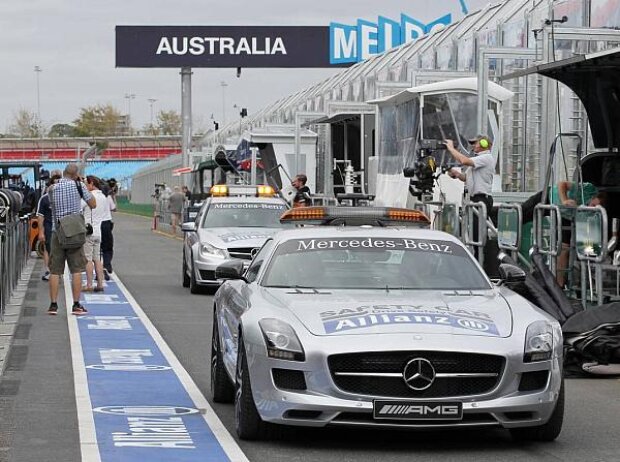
(144, 181)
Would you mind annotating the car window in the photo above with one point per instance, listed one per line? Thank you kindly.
(373, 263)
(243, 214)
(258, 260)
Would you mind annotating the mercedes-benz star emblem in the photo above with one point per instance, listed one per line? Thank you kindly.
(419, 374)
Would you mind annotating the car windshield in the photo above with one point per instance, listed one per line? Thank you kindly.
(373, 263)
(243, 215)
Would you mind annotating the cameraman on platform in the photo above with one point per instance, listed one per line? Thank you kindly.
(479, 171)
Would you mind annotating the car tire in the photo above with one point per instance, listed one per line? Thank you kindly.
(185, 277)
(194, 288)
(548, 431)
(222, 388)
(248, 423)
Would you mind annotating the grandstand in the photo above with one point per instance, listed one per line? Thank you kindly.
(70, 149)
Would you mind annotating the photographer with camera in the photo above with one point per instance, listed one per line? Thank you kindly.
(477, 176)
(479, 171)
(92, 247)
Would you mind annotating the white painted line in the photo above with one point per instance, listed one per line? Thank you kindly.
(229, 445)
(86, 421)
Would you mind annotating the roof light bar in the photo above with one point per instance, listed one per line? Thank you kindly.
(355, 216)
(265, 191)
(219, 190)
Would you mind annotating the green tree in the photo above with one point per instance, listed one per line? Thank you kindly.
(169, 123)
(100, 120)
(151, 130)
(62, 130)
(26, 124)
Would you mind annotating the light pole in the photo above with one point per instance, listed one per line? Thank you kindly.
(151, 102)
(129, 97)
(224, 85)
(37, 71)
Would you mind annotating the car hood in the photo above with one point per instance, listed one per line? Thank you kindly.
(236, 237)
(362, 312)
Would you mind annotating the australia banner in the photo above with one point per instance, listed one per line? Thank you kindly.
(223, 46)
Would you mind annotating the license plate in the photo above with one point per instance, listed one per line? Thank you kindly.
(417, 410)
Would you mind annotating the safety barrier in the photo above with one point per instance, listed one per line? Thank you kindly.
(14, 245)
(550, 243)
(591, 241)
(475, 215)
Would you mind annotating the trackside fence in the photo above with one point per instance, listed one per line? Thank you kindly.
(14, 248)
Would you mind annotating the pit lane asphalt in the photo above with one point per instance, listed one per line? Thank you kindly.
(150, 266)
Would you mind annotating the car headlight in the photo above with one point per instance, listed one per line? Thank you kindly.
(281, 340)
(538, 342)
(207, 250)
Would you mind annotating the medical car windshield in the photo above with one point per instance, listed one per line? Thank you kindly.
(373, 263)
(243, 215)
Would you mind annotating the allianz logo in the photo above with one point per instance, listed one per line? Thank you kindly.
(355, 43)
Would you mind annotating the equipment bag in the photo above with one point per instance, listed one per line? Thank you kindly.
(71, 229)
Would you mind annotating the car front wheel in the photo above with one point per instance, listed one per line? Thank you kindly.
(248, 423)
(193, 283)
(222, 388)
(548, 431)
(185, 276)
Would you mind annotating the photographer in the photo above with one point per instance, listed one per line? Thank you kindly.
(107, 226)
(479, 171)
(92, 247)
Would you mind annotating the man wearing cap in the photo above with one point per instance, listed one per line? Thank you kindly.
(479, 171)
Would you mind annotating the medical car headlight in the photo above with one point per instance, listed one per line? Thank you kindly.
(281, 340)
(538, 342)
(207, 250)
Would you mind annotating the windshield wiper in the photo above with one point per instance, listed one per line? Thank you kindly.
(298, 289)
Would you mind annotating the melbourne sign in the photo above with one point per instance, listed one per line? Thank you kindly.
(222, 46)
(357, 42)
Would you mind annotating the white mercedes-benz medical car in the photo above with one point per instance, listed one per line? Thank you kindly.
(231, 224)
(381, 326)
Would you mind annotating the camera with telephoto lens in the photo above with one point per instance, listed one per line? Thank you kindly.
(422, 173)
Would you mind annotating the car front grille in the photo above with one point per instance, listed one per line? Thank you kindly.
(379, 374)
(244, 253)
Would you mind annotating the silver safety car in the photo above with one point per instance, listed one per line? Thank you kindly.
(231, 224)
(381, 326)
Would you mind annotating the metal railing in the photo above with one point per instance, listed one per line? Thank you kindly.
(14, 253)
(548, 244)
(475, 216)
(591, 240)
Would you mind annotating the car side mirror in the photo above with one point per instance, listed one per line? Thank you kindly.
(188, 227)
(511, 274)
(232, 269)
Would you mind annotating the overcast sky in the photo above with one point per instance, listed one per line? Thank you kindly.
(73, 42)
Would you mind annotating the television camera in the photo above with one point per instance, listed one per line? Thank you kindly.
(423, 173)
